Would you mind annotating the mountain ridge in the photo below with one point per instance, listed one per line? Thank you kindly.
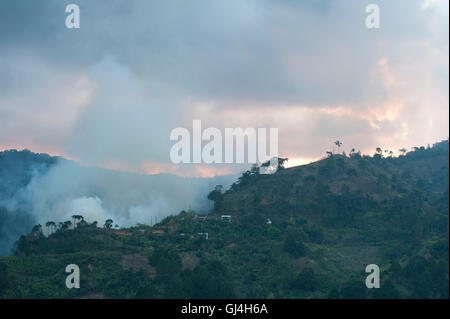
(303, 232)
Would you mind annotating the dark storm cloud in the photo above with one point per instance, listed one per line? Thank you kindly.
(234, 55)
(309, 52)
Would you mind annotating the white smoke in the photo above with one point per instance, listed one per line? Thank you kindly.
(91, 207)
(97, 194)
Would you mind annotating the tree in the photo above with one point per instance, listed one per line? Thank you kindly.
(66, 225)
(37, 230)
(4, 278)
(208, 280)
(108, 223)
(294, 245)
(338, 144)
(307, 280)
(166, 262)
(50, 227)
(355, 154)
(281, 162)
(82, 223)
(216, 196)
(77, 219)
(145, 291)
(379, 153)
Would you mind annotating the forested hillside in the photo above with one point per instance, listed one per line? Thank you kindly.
(303, 232)
(36, 188)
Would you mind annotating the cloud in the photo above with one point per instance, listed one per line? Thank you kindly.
(39, 102)
(121, 123)
(110, 92)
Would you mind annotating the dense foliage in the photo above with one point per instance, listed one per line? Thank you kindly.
(303, 232)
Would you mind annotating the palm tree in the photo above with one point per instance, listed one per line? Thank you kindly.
(338, 144)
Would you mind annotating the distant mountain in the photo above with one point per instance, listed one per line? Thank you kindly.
(18, 167)
(16, 170)
(303, 232)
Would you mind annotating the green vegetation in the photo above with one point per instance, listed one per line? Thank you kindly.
(328, 221)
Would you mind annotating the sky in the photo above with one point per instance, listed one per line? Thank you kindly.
(109, 93)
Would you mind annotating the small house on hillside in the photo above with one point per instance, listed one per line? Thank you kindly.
(204, 234)
(122, 233)
(226, 218)
(201, 216)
